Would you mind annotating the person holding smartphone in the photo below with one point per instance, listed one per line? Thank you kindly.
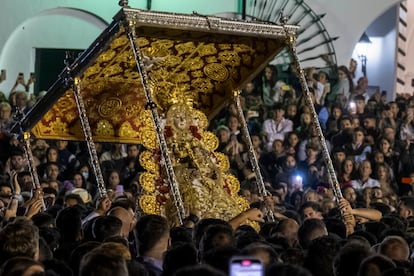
(246, 266)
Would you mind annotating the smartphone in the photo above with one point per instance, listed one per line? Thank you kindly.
(3, 74)
(120, 189)
(246, 266)
(285, 87)
(32, 75)
(406, 180)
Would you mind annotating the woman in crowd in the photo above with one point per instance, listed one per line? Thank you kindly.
(332, 125)
(341, 92)
(390, 157)
(291, 143)
(384, 176)
(347, 172)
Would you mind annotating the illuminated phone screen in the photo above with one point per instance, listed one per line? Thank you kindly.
(246, 267)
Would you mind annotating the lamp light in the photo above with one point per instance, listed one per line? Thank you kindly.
(362, 46)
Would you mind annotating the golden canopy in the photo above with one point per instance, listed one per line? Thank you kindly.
(201, 59)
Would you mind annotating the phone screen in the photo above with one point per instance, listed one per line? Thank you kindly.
(120, 189)
(246, 266)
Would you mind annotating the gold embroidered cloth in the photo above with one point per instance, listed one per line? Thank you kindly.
(198, 57)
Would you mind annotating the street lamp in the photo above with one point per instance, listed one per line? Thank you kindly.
(362, 46)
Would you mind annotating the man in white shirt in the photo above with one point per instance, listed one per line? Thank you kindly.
(277, 127)
(365, 181)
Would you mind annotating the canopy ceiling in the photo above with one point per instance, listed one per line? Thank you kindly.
(192, 58)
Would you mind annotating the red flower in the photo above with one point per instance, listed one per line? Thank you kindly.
(158, 182)
(164, 189)
(161, 198)
(227, 188)
(168, 131)
(194, 132)
(156, 154)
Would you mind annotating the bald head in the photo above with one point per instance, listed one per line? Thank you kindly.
(395, 247)
(127, 218)
(289, 229)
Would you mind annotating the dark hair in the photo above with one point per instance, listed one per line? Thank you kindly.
(348, 76)
(216, 236)
(43, 220)
(381, 262)
(408, 201)
(245, 238)
(199, 270)
(220, 257)
(98, 262)
(201, 227)
(19, 238)
(69, 223)
(106, 226)
(335, 226)
(359, 98)
(18, 266)
(75, 197)
(308, 230)
(256, 247)
(51, 235)
(287, 270)
(274, 77)
(349, 258)
(180, 234)
(149, 230)
(310, 204)
(320, 255)
(367, 235)
(268, 228)
(78, 253)
(181, 254)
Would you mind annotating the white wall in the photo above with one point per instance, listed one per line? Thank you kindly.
(409, 65)
(54, 28)
(380, 66)
(349, 19)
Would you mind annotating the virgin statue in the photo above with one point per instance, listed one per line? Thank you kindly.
(203, 185)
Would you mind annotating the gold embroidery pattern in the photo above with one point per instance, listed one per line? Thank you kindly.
(205, 66)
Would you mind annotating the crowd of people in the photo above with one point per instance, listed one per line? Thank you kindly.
(63, 226)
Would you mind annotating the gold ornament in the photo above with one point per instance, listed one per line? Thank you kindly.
(232, 183)
(147, 161)
(148, 137)
(200, 119)
(149, 205)
(147, 182)
(222, 161)
(126, 130)
(104, 129)
(216, 71)
(210, 140)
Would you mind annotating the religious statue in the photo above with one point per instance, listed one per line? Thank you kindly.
(202, 183)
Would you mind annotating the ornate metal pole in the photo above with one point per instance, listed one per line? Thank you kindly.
(32, 168)
(333, 181)
(174, 189)
(29, 156)
(252, 156)
(86, 128)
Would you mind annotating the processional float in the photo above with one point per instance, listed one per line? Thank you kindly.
(155, 79)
